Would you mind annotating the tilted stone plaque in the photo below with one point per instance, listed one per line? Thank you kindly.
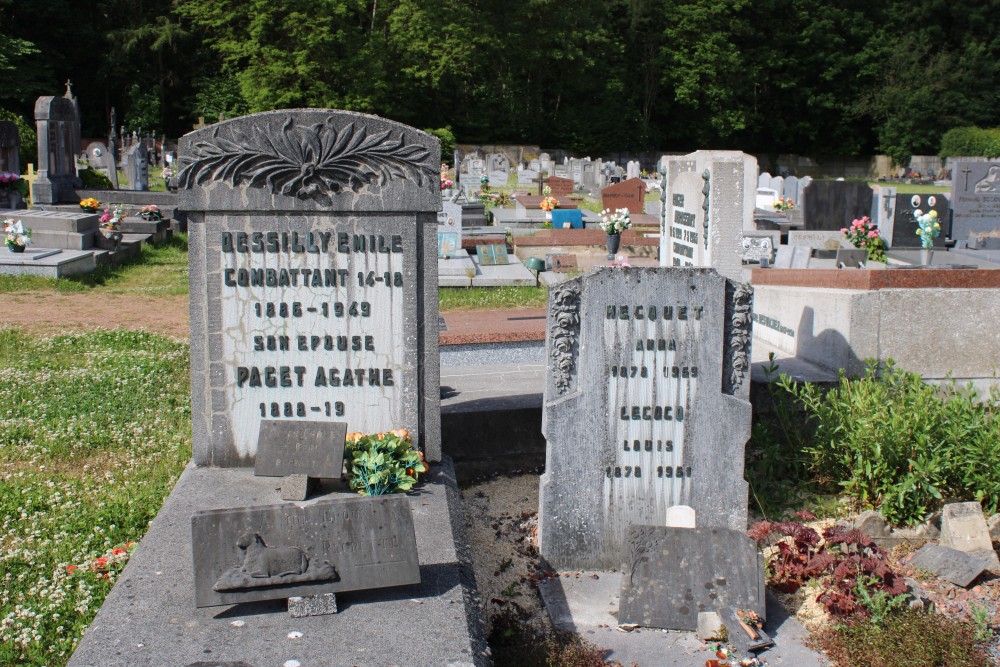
(313, 277)
(278, 551)
(673, 574)
(950, 564)
(311, 448)
(645, 407)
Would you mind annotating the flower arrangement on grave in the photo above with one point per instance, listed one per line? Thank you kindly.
(9, 181)
(548, 203)
(383, 463)
(90, 205)
(928, 227)
(783, 204)
(150, 212)
(17, 237)
(863, 233)
(615, 222)
(750, 618)
(112, 218)
(546, 191)
(446, 182)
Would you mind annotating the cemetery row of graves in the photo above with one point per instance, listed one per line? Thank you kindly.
(285, 478)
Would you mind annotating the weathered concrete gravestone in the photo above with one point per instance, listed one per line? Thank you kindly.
(136, 160)
(709, 204)
(313, 278)
(645, 407)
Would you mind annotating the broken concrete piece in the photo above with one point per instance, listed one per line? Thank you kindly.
(744, 638)
(709, 626)
(950, 564)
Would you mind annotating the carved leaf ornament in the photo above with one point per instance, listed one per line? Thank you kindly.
(307, 161)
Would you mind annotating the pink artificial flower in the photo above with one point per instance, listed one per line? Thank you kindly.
(872, 233)
(843, 230)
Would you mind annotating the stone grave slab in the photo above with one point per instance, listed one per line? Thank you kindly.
(51, 263)
(673, 574)
(904, 225)
(311, 296)
(950, 564)
(963, 527)
(645, 394)
(628, 194)
(311, 448)
(800, 257)
(498, 179)
(278, 551)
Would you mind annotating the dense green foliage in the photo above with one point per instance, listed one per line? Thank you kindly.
(765, 76)
(886, 440)
(381, 463)
(96, 430)
(962, 141)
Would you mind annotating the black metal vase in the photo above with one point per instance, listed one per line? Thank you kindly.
(613, 241)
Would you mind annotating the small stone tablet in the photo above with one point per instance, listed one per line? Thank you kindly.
(311, 448)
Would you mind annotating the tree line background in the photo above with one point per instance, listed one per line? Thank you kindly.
(764, 76)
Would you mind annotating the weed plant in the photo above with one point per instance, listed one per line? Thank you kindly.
(95, 430)
(887, 440)
(515, 642)
(907, 638)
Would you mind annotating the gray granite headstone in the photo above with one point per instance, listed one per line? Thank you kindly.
(975, 198)
(313, 277)
(904, 224)
(673, 574)
(645, 407)
(58, 128)
(279, 551)
(311, 448)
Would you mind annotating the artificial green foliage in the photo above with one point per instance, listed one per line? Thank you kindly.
(382, 463)
(894, 443)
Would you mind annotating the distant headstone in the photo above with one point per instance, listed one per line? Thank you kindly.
(318, 299)
(535, 165)
(527, 177)
(710, 200)
(498, 179)
(498, 162)
(545, 163)
(271, 552)
(629, 194)
(136, 160)
(10, 145)
(904, 224)
(58, 128)
(450, 233)
(800, 257)
(975, 198)
(783, 257)
(833, 205)
(646, 392)
(561, 187)
(673, 574)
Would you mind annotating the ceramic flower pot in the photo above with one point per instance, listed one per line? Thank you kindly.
(613, 241)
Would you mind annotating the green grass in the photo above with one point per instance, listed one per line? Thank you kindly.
(491, 298)
(94, 431)
(161, 269)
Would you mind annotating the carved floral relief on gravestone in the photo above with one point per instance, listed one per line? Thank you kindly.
(311, 296)
(645, 408)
